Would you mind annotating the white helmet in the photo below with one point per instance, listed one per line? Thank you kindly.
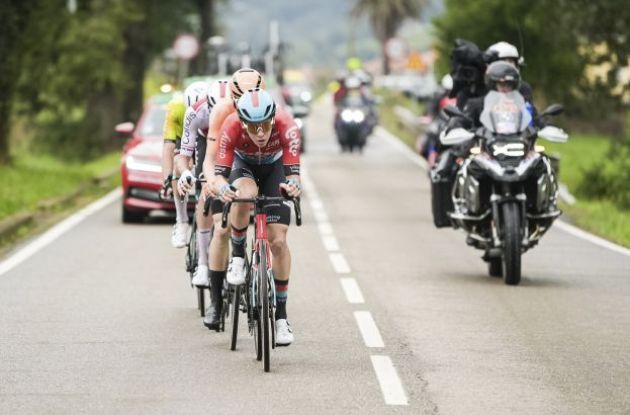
(218, 91)
(504, 50)
(195, 92)
(447, 82)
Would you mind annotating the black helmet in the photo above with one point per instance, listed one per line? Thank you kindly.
(501, 71)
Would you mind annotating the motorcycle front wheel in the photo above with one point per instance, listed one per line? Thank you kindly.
(511, 243)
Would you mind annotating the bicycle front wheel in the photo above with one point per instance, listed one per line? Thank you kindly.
(265, 315)
(235, 310)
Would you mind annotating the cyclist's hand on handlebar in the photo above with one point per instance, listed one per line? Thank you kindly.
(186, 182)
(292, 188)
(209, 188)
(166, 191)
(227, 192)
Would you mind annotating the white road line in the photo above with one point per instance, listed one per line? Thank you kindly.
(570, 229)
(330, 243)
(56, 231)
(320, 215)
(325, 228)
(339, 263)
(352, 291)
(402, 148)
(391, 386)
(316, 203)
(369, 331)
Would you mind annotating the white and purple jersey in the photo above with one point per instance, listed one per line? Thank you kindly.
(195, 124)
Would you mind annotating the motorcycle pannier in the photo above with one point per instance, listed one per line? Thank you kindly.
(441, 202)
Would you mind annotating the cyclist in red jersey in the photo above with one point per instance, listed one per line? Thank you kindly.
(259, 148)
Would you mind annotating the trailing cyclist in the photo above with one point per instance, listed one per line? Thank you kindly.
(173, 126)
(241, 81)
(259, 149)
(195, 123)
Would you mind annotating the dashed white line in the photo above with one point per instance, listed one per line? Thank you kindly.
(56, 231)
(325, 228)
(369, 331)
(320, 215)
(330, 243)
(339, 263)
(391, 386)
(352, 291)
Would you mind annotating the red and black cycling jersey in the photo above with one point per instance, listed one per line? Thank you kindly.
(284, 144)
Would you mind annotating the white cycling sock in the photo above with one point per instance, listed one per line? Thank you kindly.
(203, 241)
(180, 209)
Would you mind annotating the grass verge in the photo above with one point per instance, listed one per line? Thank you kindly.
(32, 179)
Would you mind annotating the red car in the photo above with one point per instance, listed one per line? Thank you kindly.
(141, 163)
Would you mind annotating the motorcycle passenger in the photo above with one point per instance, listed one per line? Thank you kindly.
(503, 51)
(428, 144)
(259, 147)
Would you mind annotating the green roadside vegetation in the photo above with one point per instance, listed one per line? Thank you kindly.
(391, 121)
(34, 178)
(581, 153)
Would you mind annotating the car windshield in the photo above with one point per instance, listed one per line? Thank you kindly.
(153, 121)
(505, 113)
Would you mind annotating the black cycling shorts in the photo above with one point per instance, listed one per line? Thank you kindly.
(268, 178)
(216, 206)
(200, 154)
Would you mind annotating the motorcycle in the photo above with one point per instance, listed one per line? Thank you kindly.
(353, 123)
(505, 192)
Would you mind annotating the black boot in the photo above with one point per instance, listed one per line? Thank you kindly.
(212, 320)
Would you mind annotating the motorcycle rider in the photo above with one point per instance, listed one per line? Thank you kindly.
(428, 144)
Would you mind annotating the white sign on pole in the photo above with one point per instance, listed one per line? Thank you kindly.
(186, 47)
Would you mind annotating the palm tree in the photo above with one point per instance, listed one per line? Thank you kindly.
(386, 17)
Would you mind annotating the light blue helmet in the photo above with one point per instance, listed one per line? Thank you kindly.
(256, 106)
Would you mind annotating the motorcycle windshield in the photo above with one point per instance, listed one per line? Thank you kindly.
(353, 100)
(505, 112)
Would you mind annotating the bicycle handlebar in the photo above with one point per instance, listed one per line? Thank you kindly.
(296, 206)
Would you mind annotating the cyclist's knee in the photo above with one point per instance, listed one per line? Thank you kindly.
(279, 245)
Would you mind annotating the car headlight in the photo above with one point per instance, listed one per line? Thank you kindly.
(133, 163)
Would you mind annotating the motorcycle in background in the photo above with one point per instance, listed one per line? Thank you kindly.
(505, 192)
(352, 122)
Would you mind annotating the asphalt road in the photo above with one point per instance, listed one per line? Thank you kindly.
(102, 319)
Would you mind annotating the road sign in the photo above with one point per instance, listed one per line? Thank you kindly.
(396, 48)
(186, 47)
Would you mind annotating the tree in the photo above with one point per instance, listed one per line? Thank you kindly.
(584, 33)
(386, 17)
(83, 73)
(13, 15)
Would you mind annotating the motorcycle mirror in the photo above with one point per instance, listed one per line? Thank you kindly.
(553, 134)
(455, 136)
(553, 109)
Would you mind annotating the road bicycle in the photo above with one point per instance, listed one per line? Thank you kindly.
(192, 254)
(258, 299)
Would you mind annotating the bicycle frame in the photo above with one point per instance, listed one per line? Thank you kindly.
(260, 293)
